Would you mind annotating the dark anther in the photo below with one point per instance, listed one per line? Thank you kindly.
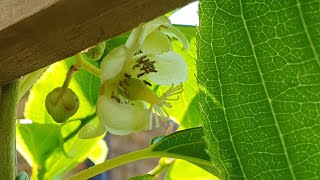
(125, 82)
(135, 66)
(152, 70)
(147, 83)
(127, 75)
(143, 61)
(141, 74)
(140, 59)
(139, 52)
(116, 98)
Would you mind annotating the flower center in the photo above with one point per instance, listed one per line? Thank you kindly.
(135, 89)
(146, 66)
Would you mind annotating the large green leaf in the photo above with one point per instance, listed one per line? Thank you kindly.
(54, 149)
(259, 67)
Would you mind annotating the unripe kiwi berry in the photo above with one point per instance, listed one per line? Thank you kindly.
(96, 52)
(61, 104)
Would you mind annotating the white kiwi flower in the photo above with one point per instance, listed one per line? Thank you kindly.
(127, 103)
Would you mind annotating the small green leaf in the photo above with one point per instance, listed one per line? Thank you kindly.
(188, 143)
(142, 177)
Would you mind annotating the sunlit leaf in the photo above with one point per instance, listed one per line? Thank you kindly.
(54, 149)
(38, 149)
(99, 152)
(183, 170)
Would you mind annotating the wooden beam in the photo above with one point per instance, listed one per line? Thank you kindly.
(36, 33)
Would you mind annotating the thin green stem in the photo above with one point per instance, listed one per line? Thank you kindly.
(112, 163)
(8, 113)
(71, 71)
(130, 157)
(82, 63)
(84, 122)
(28, 81)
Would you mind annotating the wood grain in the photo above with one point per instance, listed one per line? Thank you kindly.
(36, 33)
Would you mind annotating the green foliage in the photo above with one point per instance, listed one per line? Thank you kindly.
(183, 170)
(187, 144)
(53, 149)
(258, 65)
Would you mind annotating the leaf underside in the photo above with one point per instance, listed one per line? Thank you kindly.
(259, 69)
(189, 144)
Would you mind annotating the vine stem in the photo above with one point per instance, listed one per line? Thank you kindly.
(130, 157)
(8, 113)
(81, 62)
(112, 163)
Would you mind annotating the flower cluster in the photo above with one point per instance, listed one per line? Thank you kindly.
(127, 102)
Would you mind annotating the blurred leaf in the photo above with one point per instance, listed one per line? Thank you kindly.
(261, 63)
(142, 177)
(42, 141)
(183, 170)
(99, 152)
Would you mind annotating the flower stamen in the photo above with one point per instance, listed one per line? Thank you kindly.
(160, 108)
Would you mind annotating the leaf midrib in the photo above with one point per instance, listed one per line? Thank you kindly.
(314, 51)
(267, 93)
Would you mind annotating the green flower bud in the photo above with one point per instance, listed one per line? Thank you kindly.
(22, 176)
(61, 104)
(96, 51)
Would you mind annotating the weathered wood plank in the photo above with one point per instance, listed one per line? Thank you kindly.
(38, 33)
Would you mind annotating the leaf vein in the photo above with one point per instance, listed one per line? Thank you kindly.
(267, 93)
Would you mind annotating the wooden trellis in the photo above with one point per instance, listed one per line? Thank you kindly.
(36, 33)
